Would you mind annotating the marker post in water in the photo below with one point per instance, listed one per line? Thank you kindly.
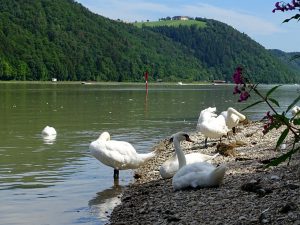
(146, 80)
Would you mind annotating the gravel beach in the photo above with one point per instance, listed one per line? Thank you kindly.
(250, 194)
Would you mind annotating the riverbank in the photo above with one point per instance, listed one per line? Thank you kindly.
(251, 194)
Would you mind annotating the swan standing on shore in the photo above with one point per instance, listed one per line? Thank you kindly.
(200, 174)
(232, 118)
(119, 155)
(171, 166)
(211, 125)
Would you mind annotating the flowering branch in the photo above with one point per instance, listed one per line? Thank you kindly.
(283, 7)
(274, 120)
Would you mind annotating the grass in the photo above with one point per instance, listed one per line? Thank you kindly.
(174, 23)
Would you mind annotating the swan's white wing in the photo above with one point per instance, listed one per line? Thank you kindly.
(171, 166)
(117, 154)
(192, 175)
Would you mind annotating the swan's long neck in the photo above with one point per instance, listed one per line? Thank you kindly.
(180, 154)
(233, 111)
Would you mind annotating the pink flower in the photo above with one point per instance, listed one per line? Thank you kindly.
(237, 76)
(244, 96)
(236, 90)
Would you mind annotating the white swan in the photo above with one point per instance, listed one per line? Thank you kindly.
(119, 155)
(232, 118)
(294, 112)
(49, 131)
(171, 166)
(200, 174)
(211, 125)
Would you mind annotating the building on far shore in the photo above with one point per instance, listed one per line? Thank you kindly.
(181, 18)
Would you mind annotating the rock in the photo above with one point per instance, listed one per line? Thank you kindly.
(288, 207)
(275, 177)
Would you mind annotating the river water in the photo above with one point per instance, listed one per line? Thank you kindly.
(58, 181)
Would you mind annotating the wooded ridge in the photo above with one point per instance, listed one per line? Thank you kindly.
(43, 39)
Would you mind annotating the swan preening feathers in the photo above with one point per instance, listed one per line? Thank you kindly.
(232, 118)
(119, 155)
(199, 174)
(211, 125)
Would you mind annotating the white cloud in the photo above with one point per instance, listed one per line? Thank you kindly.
(240, 20)
(133, 10)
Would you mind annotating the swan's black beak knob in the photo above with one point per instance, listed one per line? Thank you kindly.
(187, 138)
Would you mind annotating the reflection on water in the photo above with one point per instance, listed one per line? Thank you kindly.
(57, 181)
(49, 140)
(105, 201)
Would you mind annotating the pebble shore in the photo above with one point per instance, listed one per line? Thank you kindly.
(250, 194)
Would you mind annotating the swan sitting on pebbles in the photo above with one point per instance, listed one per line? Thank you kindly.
(195, 175)
(171, 166)
(119, 155)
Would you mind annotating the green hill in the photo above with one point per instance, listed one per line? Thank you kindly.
(43, 39)
(221, 48)
(171, 23)
(286, 58)
(59, 38)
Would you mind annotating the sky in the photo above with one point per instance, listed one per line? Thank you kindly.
(254, 18)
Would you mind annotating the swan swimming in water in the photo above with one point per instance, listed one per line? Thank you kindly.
(119, 155)
(211, 125)
(200, 174)
(49, 131)
(171, 166)
(232, 118)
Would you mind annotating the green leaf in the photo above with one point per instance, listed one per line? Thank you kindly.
(274, 101)
(282, 137)
(272, 89)
(255, 103)
(282, 158)
(296, 17)
(293, 103)
(296, 121)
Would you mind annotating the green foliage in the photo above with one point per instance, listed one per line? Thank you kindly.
(275, 120)
(221, 47)
(43, 39)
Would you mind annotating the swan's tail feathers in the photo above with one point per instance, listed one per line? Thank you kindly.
(147, 156)
(215, 155)
(217, 175)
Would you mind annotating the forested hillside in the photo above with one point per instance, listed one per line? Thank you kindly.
(287, 58)
(220, 48)
(42, 39)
